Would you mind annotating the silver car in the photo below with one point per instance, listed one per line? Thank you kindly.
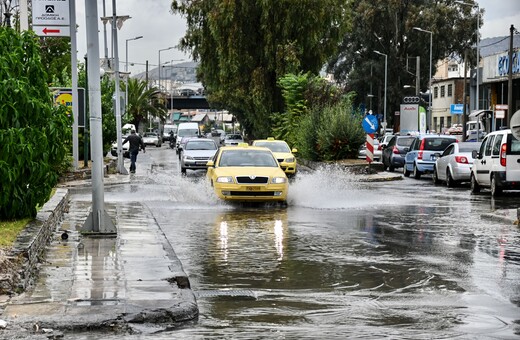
(453, 165)
(196, 153)
(233, 139)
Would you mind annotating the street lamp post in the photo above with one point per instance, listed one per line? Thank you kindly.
(477, 46)
(386, 72)
(430, 75)
(159, 65)
(126, 69)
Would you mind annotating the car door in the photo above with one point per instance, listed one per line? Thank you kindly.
(443, 161)
(484, 162)
(387, 151)
(512, 159)
(410, 155)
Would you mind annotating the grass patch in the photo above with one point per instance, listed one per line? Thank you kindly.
(9, 230)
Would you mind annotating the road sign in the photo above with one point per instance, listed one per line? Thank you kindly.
(457, 109)
(52, 31)
(370, 124)
(369, 148)
(501, 107)
(50, 13)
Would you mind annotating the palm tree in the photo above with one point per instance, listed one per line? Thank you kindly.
(144, 101)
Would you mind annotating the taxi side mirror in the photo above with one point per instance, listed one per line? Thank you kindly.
(294, 150)
(210, 164)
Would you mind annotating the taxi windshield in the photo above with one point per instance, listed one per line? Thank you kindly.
(274, 146)
(255, 158)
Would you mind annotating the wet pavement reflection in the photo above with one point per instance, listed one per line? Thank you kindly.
(400, 260)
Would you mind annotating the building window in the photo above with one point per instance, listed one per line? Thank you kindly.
(435, 92)
(443, 91)
(453, 68)
(450, 90)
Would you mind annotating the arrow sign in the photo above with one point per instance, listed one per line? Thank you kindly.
(370, 124)
(52, 31)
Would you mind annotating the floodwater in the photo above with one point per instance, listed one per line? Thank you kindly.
(392, 260)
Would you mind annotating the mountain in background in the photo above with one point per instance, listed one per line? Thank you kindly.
(185, 72)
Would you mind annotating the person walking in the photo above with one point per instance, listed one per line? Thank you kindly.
(136, 143)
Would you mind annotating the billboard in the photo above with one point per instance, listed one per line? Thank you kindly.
(409, 118)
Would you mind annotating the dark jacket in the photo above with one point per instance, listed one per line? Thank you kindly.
(135, 142)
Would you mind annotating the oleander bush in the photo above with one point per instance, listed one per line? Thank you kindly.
(35, 135)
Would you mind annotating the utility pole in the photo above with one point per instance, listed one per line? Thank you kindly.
(464, 113)
(510, 78)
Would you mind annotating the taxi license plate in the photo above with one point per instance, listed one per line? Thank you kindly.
(253, 188)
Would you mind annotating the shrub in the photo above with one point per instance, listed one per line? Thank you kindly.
(34, 134)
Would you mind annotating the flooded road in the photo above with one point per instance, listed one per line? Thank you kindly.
(399, 260)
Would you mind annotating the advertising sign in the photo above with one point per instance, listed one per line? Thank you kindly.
(64, 97)
(51, 18)
(457, 109)
(409, 118)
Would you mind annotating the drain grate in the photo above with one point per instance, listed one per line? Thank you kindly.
(242, 293)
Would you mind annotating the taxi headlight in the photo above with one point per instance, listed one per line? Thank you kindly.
(226, 179)
(279, 180)
(290, 160)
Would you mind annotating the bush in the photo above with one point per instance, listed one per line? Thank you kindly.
(34, 134)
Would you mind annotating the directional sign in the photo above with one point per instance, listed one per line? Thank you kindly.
(52, 31)
(50, 12)
(457, 109)
(370, 124)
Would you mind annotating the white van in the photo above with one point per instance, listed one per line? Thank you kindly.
(497, 164)
(186, 130)
(471, 130)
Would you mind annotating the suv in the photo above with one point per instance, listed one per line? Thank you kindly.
(421, 156)
(497, 164)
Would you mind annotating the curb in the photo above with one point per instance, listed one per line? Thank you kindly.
(29, 247)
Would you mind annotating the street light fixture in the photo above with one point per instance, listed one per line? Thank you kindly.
(478, 51)
(386, 71)
(164, 49)
(430, 81)
(126, 69)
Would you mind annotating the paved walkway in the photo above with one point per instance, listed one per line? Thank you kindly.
(105, 282)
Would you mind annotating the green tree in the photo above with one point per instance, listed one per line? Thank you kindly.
(55, 54)
(34, 133)
(387, 26)
(143, 100)
(244, 47)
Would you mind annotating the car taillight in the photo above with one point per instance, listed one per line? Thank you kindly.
(395, 150)
(461, 159)
(419, 155)
(421, 148)
(503, 154)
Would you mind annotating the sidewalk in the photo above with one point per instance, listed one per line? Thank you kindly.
(104, 283)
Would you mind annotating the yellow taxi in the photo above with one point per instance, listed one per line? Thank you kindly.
(282, 152)
(246, 173)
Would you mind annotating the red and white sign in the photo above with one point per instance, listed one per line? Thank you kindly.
(500, 114)
(52, 31)
(501, 107)
(369, 151)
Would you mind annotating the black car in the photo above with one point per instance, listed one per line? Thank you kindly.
(393, 153)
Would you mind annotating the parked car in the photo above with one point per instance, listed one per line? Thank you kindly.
(393, 154)
(383, 141)
(420, 158)
(196, 153)
(497, 163)
(283, 153)
(453, 165)
(455, 129)
(152, 138)
(113, 148)
(219, 133)
(245, 173)
(233, 139)
(377, 151)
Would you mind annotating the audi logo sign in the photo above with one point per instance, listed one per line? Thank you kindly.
(411, 100)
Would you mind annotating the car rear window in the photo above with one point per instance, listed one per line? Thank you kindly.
(514, 143)
(437, 144)
(405, 141)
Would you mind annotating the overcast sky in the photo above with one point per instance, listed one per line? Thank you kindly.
(160, 29)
